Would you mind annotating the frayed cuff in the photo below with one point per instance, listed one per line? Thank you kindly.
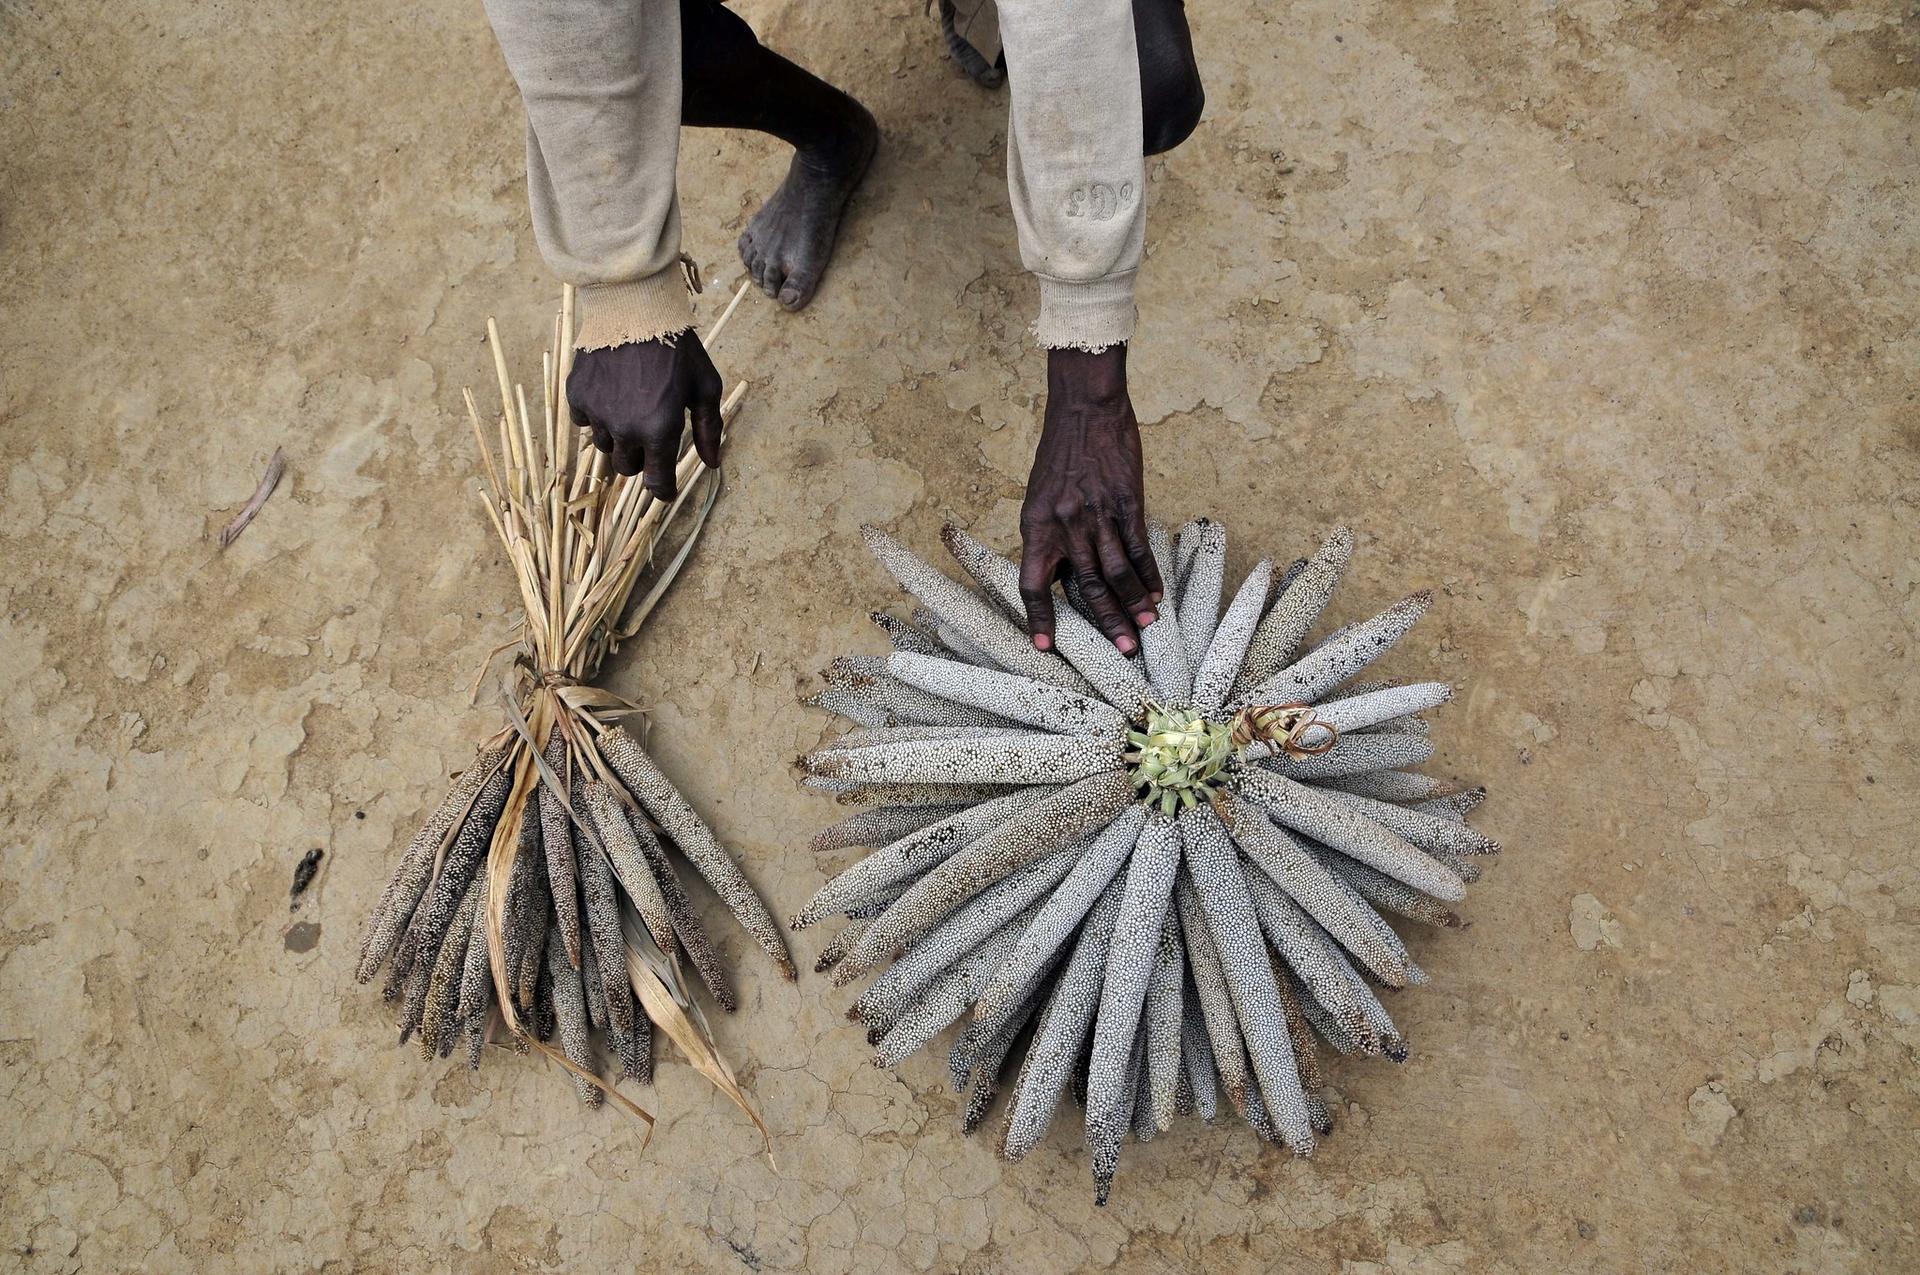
(660, 305)
(1085, 316)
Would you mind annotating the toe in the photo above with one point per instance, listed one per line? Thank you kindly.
(797, 291)
(758, 262)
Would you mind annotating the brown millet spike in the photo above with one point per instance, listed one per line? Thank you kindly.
(623, 854)
(437, 910)
(437, 1020)
(590, 979)
(677, 819)
(476, 1039)
(397, 902)
(570, 1010)
(686, 922)
(516, 920)
(636, 1046)
(476, 977)
(609, 945)
(533, 913)
(556, 838)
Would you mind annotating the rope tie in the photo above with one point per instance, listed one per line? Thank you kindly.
(1284, 726)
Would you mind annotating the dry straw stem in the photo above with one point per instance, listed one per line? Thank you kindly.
(580, 539)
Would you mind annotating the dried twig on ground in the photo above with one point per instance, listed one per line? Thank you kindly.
(268, 481)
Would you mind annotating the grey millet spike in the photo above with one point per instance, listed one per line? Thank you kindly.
(1220, 662)
(916, 853)
(1293, 613)
(1047, 825)
(1008, 695)
(1078, 640)
(1130, 959)
(976, 621)
(1228, 907)
(1163, 643)
(880, 826)
(1200, 591)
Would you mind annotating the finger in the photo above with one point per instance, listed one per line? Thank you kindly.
(659, 476)
(1106, 608)
(1120, 575)
(1038, 565)
(627, 454)
(602, 438)
(707, 421)
(1133, 534)
(707, 427)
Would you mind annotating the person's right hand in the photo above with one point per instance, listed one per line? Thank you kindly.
(635, 398)
(1085, 515)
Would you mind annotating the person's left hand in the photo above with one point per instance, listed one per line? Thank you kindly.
(1085, 512)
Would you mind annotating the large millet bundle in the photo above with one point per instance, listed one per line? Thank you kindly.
(1156, 880)
(539, 903)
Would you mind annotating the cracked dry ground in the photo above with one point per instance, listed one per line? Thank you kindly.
(1596, 317)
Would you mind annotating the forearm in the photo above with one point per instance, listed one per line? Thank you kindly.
(1075, 172)
(601, 83)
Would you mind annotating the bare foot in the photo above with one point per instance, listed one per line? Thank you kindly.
(789, 241)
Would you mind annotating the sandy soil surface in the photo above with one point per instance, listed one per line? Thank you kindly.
(1598, 318)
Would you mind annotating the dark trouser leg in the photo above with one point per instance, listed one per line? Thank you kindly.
(1170, 94)
(730, 80)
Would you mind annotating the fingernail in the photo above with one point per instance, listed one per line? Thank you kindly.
(1145, 618)
(1155, 597)
(1124, 643)
(1042, 642)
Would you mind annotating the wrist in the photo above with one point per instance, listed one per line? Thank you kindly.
(1088, 378)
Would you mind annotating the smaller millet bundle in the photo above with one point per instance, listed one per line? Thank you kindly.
(541, 900)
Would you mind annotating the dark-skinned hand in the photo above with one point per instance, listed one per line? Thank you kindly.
(1085, 514)
(636, 398)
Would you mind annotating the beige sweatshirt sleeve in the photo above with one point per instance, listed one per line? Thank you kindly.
(601, 83)
(1075, 172)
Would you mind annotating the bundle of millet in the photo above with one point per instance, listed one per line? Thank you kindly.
(539, 904)
(1154, 881)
